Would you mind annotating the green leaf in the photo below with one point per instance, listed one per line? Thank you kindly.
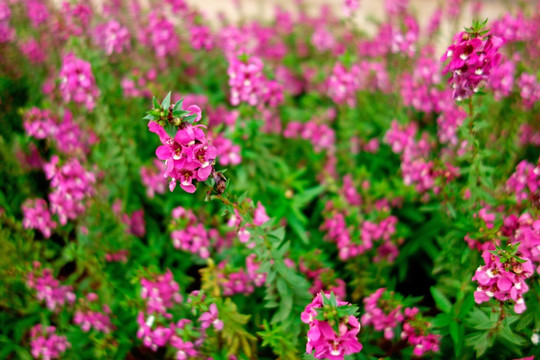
(457, 332)
(178, 106)
(479, 341)
(166, 103)
(278, 233)
(306, 196)
(156, 103)
(441, 300)
(190, 119)
(505, 333)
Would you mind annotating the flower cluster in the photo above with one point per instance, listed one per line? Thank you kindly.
(37, 216)
(39, 123)
(160, 293)
(112, 37)
(153, 336)
(71, 185)
(524, 230)
(37, 13)
(152, 178)
(193, 238)
(350, 6)
(416, 170)
(160, 35)
(77, 82)
(236, 221)
(184, 335)
(404, 42)
(419, 88)
(529, 89)
(503, 277)
(33, 51)
(321, 136)
(46, 344)
(370, 232)
(415, 332)
(343, 84)
(525, 182)
(450, 119)
(49, 289)
(246, 80)
(323, 279)
(87, 318)
(118, 256)
(501, 80)
(201, 38)
(228, 152)
(472, 57)
(382, 313)
(240, 281)
(75, 19)
(333, 328)
(187, 154)
(67, 135)
(7, 33)
(134, 222)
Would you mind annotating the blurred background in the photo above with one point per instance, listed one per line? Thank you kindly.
(368, 12)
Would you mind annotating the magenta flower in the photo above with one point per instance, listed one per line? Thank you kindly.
(188, 155)
(381, 313)
(210, 318)
(471, 62)
(502, 280)
(160, 293)
(77, 83)
(260, 215)
(37, 216)
(49, 289)
(46, 344)
(323, 338)
(112, 37)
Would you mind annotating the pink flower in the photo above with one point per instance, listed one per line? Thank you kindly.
(201, 38)
(188, 155)
(160, 35)
(40, 124)
(46, 344)
(415, 332)
(152, 178)
(86, 318)
(33, 51)
(471, 62)
(246, 80)
(323, 339)
(37, 12)
(502, 280)
(112, 37)
(193, 239)
(160, 293)
(343, 84)
(77, 83)
(350, 6)
(260, 215)
(210, 318)
(49, 289)
(71, 185)
(380, 313)
(37, 216)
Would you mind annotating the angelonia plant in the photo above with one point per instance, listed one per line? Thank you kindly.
(178, 185)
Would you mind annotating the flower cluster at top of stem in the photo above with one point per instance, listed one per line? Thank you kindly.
(187, 153)
(333, 327)
(503, 277)
(473, 55)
